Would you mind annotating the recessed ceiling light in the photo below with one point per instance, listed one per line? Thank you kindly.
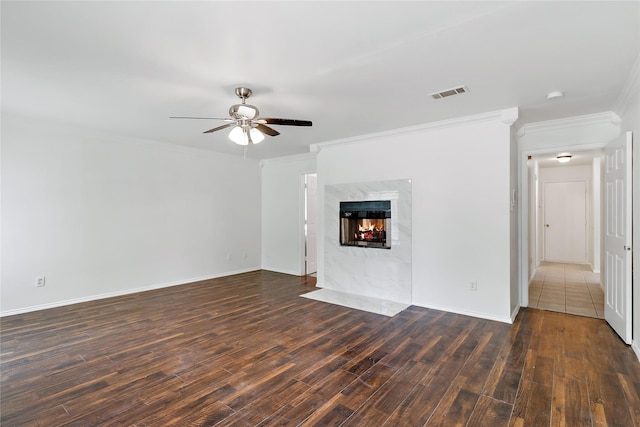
(555, 94)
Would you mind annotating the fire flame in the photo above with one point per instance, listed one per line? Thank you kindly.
(363, 229)
(369, 230)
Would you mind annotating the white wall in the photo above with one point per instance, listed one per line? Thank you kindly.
(460, 179)
(283, 214)
(100, 216)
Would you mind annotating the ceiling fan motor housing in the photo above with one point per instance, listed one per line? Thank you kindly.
(243, 111)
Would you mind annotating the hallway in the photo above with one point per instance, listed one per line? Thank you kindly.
(567, 288)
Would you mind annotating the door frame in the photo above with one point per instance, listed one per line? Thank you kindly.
(523, 185)
(302, 219)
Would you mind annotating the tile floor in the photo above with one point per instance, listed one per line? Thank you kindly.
(567, 288)
(359, 302)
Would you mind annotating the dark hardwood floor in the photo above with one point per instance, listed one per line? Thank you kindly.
(246, 350)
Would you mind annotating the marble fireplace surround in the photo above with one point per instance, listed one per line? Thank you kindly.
(371, 279)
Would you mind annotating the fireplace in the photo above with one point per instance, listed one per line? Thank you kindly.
(375, 272)
(366, 224)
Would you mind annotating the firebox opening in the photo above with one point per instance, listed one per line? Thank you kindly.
(365, 224)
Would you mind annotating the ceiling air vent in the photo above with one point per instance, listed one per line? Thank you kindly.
(449, 92)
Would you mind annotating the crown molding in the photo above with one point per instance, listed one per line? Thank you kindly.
(509, 116)
(506, 116)
(289, 159)
(608, 117)
(630, 89)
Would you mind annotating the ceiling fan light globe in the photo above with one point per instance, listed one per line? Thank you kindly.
(256, 136)
(238, 136)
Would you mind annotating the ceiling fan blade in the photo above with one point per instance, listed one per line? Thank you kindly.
(226, 119)
(287, 122)
(267, 130)
(219, 128)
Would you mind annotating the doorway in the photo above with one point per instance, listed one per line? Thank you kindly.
(613, 235)
(310, 234)
(564, 215)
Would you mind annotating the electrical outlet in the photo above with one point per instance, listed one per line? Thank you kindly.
(473, 286)
(40, 281)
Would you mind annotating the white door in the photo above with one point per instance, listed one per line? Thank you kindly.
(312, 239)
(565, 222)
(617, 238)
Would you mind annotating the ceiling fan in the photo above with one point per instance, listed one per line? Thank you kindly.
(247, 126)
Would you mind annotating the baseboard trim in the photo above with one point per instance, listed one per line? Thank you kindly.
(468, 313)
(118, 293)
(283, 271)
(515, 312)
(636, 348)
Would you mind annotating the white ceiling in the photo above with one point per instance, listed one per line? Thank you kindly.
(578, 158)
(352, 68)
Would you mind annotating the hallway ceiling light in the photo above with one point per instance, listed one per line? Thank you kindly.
(563, 157)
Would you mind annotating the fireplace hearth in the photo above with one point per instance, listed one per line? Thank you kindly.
(365, 224)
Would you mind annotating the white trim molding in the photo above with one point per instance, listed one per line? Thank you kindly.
(509, 116)
(471, 313)
(608, 117)
(630, 89)
(289, 159)
(571, 133)
(515, 312)
(506, 116)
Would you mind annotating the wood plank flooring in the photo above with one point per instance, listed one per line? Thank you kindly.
(246, 350)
